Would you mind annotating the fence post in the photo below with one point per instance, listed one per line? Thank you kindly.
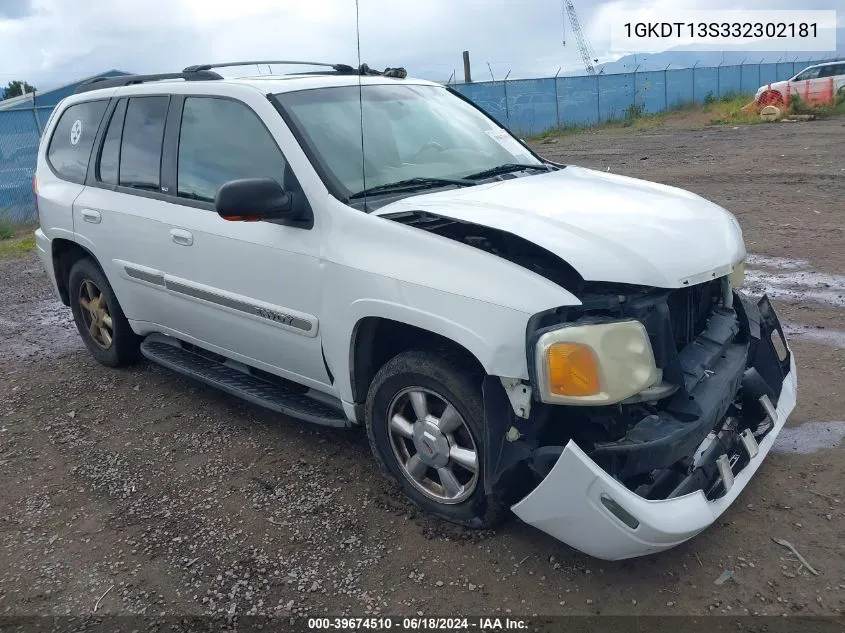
(693, 81)
(719, 79)
(507, 105)
(598, 100)
(666, 87)
(557, 105)
(35, 115)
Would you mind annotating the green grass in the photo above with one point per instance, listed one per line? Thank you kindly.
(16, 240)
(17, 247)
(633, 118)
(7, 229)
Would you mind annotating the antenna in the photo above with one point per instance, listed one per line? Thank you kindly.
(361, 103)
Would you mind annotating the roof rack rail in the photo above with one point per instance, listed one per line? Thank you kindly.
(343, 69)
(128, 80)
(335, 67)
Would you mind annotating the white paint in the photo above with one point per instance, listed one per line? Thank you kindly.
(608, 227)
(810, 437)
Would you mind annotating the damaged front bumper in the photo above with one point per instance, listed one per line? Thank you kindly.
(672, 474)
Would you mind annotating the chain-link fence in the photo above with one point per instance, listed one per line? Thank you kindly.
(534, 106)
(20, 133)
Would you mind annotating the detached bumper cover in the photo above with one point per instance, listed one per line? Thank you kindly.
(567, 503)
(579, 503)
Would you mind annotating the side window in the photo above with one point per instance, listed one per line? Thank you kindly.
(222, 140)
(110, 154)
(140, 147)
(810, 73)
(73, 138)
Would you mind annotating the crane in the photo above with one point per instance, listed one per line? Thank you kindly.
(587, 54)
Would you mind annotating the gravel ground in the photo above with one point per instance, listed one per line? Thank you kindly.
(140, 492)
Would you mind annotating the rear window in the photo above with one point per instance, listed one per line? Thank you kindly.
(73, 138)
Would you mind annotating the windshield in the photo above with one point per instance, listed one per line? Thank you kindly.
(409, 131)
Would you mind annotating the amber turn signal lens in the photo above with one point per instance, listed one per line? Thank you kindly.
(573, 370)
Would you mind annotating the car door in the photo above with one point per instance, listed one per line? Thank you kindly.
(808, 85)
(248, 290)
(118, 216)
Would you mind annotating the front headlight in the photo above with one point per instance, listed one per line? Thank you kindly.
(594, 364)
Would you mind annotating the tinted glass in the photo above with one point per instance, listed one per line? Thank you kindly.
(409, 131)
(110, 156)
(222, 140)
(140, 150)
(70, 147)
(810, 73)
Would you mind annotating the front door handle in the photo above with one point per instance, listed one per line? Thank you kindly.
(181, 237)
(89, 215)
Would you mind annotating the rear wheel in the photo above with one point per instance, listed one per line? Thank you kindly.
(99, 317)
(425, 421)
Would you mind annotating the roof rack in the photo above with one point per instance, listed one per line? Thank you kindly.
(341, 68)
(344, 69)
(128, 80)
(204, 72)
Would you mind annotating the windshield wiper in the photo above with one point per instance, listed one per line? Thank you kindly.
(506, 168)
(410, 184)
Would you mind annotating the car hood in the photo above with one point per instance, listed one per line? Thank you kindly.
(608, 227)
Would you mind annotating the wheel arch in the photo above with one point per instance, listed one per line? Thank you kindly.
(65, 253)
(377, 339)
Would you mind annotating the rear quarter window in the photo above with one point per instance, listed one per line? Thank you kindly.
(73, 138)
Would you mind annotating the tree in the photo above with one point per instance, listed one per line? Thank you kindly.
(17, 88)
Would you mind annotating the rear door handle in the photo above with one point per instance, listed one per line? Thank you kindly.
(89, 215)
(181, 237)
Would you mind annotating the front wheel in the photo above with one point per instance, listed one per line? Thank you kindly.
(425, 419)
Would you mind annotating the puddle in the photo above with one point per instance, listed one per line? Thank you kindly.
(791, 283)
(50, 335)
(764, 261)
(810, 437)
(825, 336)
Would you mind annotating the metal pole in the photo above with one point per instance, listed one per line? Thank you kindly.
(598, 100)
(35, 115)
(467, 73)
(693, 81)
(719, 79)
(666, 87)
(557, 105)
(507, 105)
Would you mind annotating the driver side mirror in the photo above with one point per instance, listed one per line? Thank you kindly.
(253, 199)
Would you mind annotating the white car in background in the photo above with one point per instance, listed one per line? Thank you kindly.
(816, 84)
(513, 334)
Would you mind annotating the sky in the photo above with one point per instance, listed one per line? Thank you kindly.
(50, 42)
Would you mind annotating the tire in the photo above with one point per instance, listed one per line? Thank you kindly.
(443, 382)
(102, 324)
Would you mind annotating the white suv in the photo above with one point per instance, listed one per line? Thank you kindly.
(819, 84)
(360, 248)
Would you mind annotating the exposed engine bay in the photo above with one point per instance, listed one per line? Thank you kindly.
(719, 354)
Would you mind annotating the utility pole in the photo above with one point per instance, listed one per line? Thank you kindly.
(467, 73)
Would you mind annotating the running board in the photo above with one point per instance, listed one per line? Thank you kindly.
(234, 378)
